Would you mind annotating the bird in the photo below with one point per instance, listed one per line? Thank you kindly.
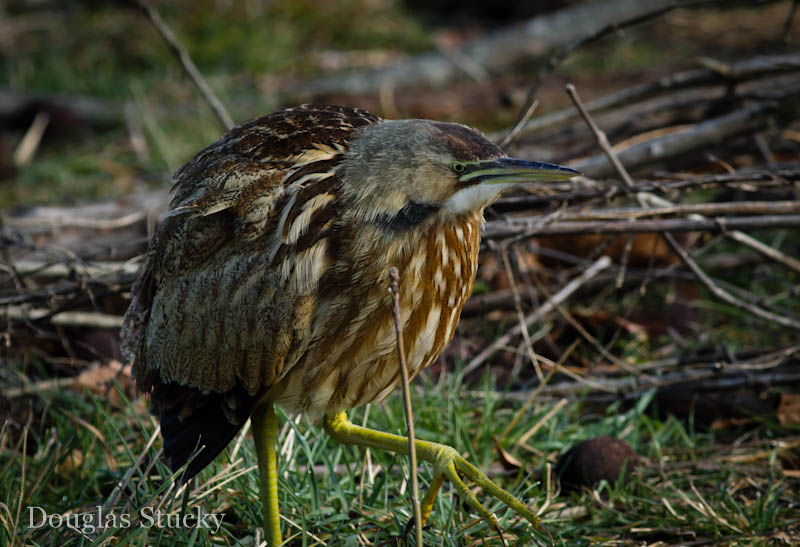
(266, 283)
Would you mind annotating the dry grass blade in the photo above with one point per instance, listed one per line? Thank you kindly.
(394, 279)
(121, 485)
(543, 420)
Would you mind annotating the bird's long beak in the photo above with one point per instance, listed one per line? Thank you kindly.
(513, 171)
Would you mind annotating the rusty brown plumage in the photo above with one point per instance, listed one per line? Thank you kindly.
(267, 281)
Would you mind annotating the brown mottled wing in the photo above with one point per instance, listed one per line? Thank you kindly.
(229, 280)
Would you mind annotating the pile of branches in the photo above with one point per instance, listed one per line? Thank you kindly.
(705, 166)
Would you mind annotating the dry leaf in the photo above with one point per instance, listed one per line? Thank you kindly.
(71, 463)
(789, 409)
(100, 380)
(508, 461)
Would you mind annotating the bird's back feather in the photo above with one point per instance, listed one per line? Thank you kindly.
(224, 291)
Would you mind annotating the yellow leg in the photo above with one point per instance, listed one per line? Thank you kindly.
(447, 463)
(430, 497)
(426, 506)
(265, 435)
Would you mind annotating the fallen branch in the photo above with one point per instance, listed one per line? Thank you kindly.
(530, 227)
(79, 110)
(711, 209)
(119, 272)
(699, 136)
(53, 223)
(717, 376)
(63, 318)
(564, 52)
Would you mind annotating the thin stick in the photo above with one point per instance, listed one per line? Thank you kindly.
(780, 178)
(394, 280)
(748, 69)
(524, 408)
(715, 209)
(645, 199)
(520, 124)
(187, 63)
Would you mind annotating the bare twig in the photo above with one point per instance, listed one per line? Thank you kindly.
(712, 209)
(394, 280)
(766, 250)
(521, 318)
(787, 25)
(599, 265)
(524, 408)
(50, 384)
(519, 125)
(724, 295)
(782, 177)
(30, 142)
(186, 61)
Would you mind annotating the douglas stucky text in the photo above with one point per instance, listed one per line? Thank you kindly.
(91, 522)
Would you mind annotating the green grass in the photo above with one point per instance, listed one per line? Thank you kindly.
(695, 489)
(718, 487)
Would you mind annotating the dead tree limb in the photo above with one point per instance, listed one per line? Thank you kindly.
(497, 51)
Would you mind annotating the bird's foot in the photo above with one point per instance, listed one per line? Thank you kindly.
(447, 464)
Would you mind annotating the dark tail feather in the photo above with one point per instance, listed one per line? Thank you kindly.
(197, 439)
(197, 428)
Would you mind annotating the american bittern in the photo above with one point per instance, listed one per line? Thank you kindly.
(267, 282)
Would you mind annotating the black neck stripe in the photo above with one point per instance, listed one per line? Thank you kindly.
(410, 216)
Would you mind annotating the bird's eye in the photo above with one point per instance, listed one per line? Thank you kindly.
(458, 167)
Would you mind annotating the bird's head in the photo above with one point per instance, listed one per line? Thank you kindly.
(399, 174)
